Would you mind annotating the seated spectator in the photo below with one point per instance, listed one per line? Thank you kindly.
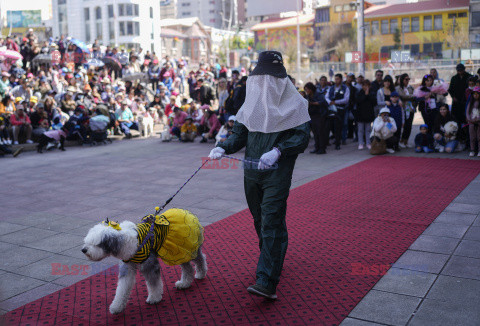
(396, 112)
(99, 121)
(4, 150)
(4, 83)
(178, 121)
(125, 119)
(209, 125)
(424, 140)
(32, 105)
(446, 140)
(7, 107)
(21, 125)
(188, 130)
(171, 106)
(77, 124)
(384, 128)
(68, 104)
(226, 130)
(39, 119)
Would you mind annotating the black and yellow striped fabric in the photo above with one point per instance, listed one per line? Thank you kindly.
(159, 234)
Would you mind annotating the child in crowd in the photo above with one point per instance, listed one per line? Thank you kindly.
(473, 119)
(188, 131)
(53, 136)
(424, 140)
(384, 128)
(226, 130)
(396, 112)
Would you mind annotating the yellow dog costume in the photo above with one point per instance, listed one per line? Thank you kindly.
(177, 236)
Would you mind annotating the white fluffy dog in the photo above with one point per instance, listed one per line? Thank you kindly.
(145, 125)
(176, 237)
(451, 129)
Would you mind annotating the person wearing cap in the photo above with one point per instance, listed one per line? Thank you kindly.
(125, 119)
(458, 85)
(424, 141)
(21, 125)
(188, 130)
(384, 128)
(398, 114)
(273, 132)
(337, 97)
(226, 130)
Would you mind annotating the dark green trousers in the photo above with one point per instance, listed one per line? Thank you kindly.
(267, 201)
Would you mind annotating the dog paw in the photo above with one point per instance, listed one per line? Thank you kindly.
(153, 300)
(116, 308)
(200, 275)
(182, 285)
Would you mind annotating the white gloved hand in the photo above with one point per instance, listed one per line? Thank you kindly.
(216, 153)
(268, 159)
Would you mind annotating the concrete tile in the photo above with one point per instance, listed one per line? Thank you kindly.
(473, 233)
(29, 296)
(57, 243)
(455, 218)
(449, 288)
(386, 308)
(52, 267)
(27, 235)
(463, 267)
(6, 227)
(13, 284)
(421, 261)
(407, 282)
(75, 252)
(36, 218)
(463, 208)
(441, 245)
(356, 322)
(446, 230)
(82, 230)
(477, 221)
(441, 313)
(468, 248)
(64, 224)
(16, 257)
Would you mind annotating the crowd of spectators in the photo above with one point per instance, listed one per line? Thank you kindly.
(86, 95)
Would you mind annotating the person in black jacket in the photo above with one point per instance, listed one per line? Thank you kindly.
(204, 93)
(366, 100)
(239, 93)
(317, 108)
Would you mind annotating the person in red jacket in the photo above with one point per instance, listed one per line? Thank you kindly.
(21, 123)
(209, 125)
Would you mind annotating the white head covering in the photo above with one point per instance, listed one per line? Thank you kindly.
(272, 104)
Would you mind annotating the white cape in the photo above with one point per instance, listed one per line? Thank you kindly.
(272, 104)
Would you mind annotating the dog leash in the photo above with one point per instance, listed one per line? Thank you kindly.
(240, 159)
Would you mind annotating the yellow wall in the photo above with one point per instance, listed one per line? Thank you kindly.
(420, 37)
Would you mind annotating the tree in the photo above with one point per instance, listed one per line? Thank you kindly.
(343, 46)
(457, 38)
(397, 39)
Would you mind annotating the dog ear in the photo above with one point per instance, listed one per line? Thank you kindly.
(111, 244)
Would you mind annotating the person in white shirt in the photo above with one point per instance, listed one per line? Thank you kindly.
(384, 128)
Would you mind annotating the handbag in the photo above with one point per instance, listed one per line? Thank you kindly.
(379, 146)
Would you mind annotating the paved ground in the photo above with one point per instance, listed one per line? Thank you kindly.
(50, 201)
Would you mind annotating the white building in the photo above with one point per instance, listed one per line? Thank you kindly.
(168, 9)
(215, 13)
(129, 23)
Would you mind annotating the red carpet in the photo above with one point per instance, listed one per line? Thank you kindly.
(343, 229)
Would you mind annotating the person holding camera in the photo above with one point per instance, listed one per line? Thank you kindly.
(337, 98)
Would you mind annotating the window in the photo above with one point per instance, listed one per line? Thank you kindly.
(186, 4)
(437, 48)
(406, 25)
(437, 22)
(110, 11)
(375, 27)
(393, 25)
(122, 28)
(121, 10)
(384, 26)
(86, 14)
(414, 49)
(427, 23)
(129, 10)
(212, 11)
(427, 48)
(135, 10)
(415, 24)
(151, 12)
(111, 30)
(346, 7)
(62, 2)
(99, 30)
(129, 28)
(475, 19)
(137, 28)
(186, 13)
(323, 15)
(98, 13)
(451, 16)
(87, 32)
(338, 8)
(367, 28)
(462, 14)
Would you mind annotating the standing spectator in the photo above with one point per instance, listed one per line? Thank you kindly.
(405, 91)
(331, 73)
(473, 119)
(125, 118)
(11, 45)
(378, 82)
(396, 112)
(154, 74)
(239, 93)
(222, 94)
(317, 107)
(337, 98)
(204, 93)
(384, 93)
(182, 75)
(21, 124)
(458, 85)
(365, 100)
(427, 101)
(349, 124)
(322, 86)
